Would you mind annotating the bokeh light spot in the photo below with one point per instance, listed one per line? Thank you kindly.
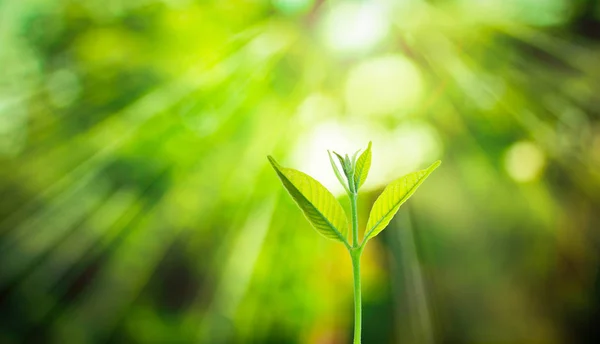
(524, 161)
(409, 147)
(355, 27)
(383, 85)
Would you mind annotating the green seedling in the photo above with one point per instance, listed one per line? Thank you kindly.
(326, 215)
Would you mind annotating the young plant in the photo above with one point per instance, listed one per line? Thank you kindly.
(326, 215)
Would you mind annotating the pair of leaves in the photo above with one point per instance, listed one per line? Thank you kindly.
(326, 214)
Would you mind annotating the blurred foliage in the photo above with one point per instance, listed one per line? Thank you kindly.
(137, 204)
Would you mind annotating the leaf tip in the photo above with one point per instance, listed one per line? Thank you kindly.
(272, 161)
(433, 166)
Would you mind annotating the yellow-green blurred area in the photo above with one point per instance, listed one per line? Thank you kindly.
(137, 204)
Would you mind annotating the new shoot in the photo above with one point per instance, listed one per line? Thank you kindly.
(326, 215)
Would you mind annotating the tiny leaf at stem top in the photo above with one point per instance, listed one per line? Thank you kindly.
(340, 158)
(363, 164)
(354, 156)
(337, 172)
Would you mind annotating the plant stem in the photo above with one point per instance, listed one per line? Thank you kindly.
(356, 253)
(353, 202)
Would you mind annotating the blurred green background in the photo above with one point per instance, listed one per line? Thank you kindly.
(137, 204)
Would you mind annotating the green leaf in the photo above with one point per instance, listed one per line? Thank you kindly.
(320, 207)
(354, 157)
(345, 162)
(392, 197)
(337, 172)
(340, 158)
(363, 164)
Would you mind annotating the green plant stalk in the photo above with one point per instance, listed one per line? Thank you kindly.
(355, 253)
(353, 205)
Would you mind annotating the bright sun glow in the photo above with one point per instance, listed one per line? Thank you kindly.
(407, 148)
